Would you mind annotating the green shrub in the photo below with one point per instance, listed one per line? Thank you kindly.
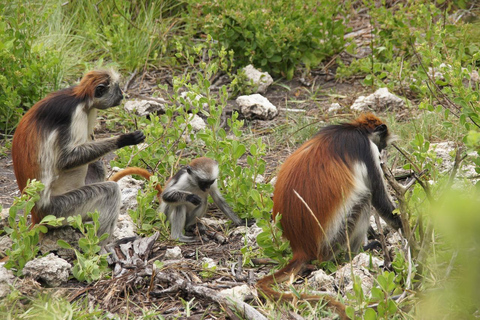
(24, 236)
(28, 70)
(90, 264)
(276, 37)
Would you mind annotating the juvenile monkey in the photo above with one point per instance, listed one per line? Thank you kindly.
(184, 198)
(54, 143)
(337, 173)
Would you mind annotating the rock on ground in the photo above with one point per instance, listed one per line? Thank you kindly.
(48, 242)
(240, 292)
(360, 264)
(380, 100)
(256, 106)
(125, 227)
(173, 253)
(5, 244)
(262, 80)
(50, 269)
(6, 281)
(320, 280)
(143, 107)
(334, 108)
(197, 122)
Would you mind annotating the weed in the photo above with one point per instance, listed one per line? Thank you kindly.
(24, 236)
(90, 265)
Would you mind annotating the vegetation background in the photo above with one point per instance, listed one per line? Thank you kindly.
(46, 45)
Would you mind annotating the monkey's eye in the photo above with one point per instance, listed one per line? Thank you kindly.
(100, 90)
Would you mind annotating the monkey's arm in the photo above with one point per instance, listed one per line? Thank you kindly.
(223, 205)
(382, 202)
(179, 197)
(91, 151)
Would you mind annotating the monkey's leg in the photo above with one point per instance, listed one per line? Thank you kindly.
(177, 218)
(97, 172)
(360, 224)
(104, 197)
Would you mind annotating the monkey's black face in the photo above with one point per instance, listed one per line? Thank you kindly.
(380, 136)
(107, 96)
(205, 184)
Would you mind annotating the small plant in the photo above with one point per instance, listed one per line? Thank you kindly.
(50, 305)
(89, 266)
(24, 236)
(145, 216)
(208, 270)
(188, 305)
(386, 285)
(271, 241)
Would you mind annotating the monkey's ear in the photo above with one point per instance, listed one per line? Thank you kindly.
(100, 90)
(189, 169)
(381, 129)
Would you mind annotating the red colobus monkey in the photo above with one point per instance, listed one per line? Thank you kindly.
(184, 198)
(54, 143)
(337, 173)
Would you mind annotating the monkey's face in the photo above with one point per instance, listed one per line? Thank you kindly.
(107, 95)
(202, 179)
(204, 185)
(380, 136)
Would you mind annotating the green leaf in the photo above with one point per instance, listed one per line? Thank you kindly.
(253, 150)
(370, 314)
(239, 151)
(63, 244)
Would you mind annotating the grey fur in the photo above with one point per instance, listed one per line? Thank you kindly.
(181, 194)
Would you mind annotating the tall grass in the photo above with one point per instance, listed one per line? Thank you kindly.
(48, 44)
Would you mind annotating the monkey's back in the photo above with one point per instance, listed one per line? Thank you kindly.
(25, 147)
(319, 173)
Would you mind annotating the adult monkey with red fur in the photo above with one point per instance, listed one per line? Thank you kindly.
(337, 173)
(54, 143)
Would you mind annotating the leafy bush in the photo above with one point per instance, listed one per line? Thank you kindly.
(28, 70)
(277, 37)
(24, 236)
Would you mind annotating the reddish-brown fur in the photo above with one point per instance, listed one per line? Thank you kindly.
(25, 155)
(323, 180)
(86, 88)
(138, 171)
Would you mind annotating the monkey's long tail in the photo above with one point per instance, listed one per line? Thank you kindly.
(138, 171)
(292, 269)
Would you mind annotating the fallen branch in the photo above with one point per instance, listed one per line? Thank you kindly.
(246, 310)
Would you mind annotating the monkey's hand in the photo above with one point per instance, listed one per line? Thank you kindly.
(194, 199)
(130, 139)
